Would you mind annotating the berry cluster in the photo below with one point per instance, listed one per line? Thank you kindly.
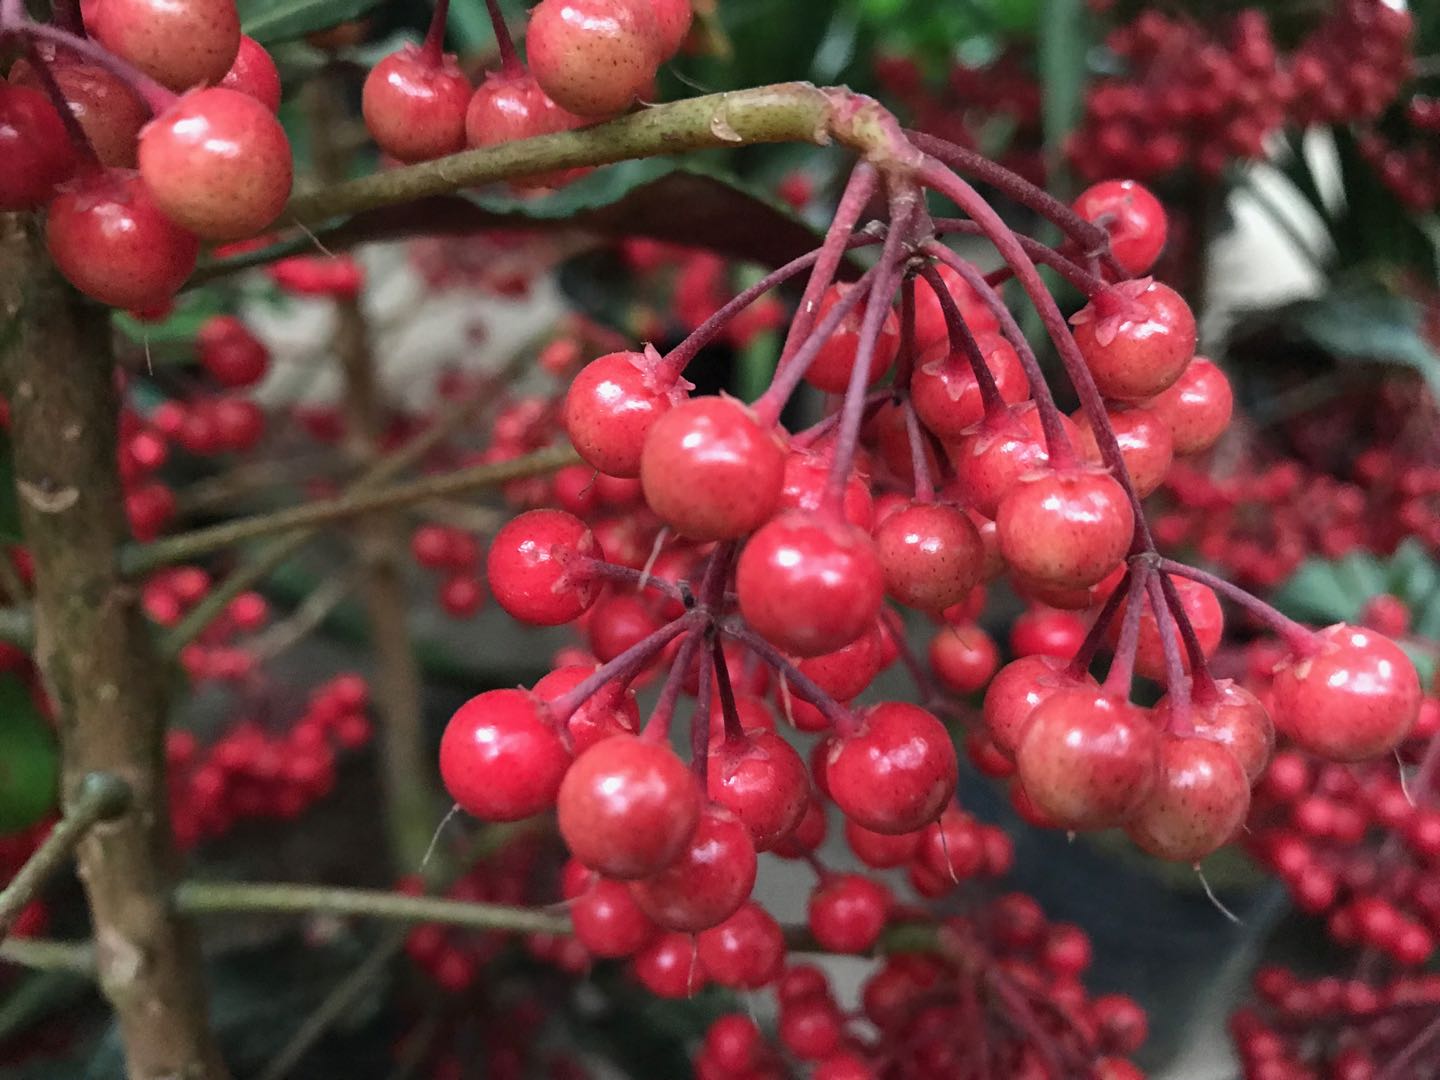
(1410, 167)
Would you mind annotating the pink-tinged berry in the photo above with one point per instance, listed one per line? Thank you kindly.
(1136, 340)
(672, 24)
(501, 758)
(1146, 445)
(991, 457)
(179, 43)
(931, 554)
(808, 584)
(947, 394)
(254, 73)
(1132, 216)
(111, 241)
(1015, 692)
(612, 404)
(1233, 717)
(1206, 617)
(710, 471)
(1199, 800)
(109, 112)
(534, 567)
(1065, 527)
(830, 369)
(1354, 696)
(36, 149)
(594, 57)
(896, 773)
(709, 880)
(1196, 407)
(414, 104)
(218, 163)
(628, 808)
(1087, 758)
(509, 106)
(963, 658)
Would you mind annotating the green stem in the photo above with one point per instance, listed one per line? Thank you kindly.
(77, 958)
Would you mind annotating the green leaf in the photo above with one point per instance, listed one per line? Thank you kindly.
(29, 759)
(1063, 43)
(269, 21)
(172, 340)
(1323, 591)
(1412, 574)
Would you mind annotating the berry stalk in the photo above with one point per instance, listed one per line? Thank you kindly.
(963, 341)
(1297, 638)
(1122, 667)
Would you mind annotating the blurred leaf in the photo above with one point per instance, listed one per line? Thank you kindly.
(1412, 574)
(1063, 42)
(1328, 591)
(9, 505)
(172, 339)
(269, 21)
(29, 759)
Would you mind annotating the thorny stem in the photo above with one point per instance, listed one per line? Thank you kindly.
(1122, 667)
(1080, 662)
(1043, 254)
(433, 50)
(100, 797)
(919, 461)
(1296, 637)
(509, 62)
(963, 341)
(858, 190)
(624, 667)
(799, 683)
(1179, 688)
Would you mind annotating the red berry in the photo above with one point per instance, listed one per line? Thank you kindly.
(734, 1043)
(931, 554)
(1142, 346)
(509, 106)
(501, 758)
(807, 475)
(709, 880)
(883, 851)
(179, 43)
(1146, 446)
(670, 968)
(1069, 527)
(1014, 693)
(1199, 799)
(830, 369)
(1235, 719)
(848, 912)
(930, 326)
(946, 393)
(762, 780)
(415, 104)
(608, 922)
(897, 772)
(611, 406)
(37, 150)
(1132, 216)
(1043, 631)
(1196, 407)
(217, 163)
(672, 23)
(109, 112)
(964, 658)
(993, 455)
(532, 567)
(628, 808)
(1087, 758)
(710, 471)
(844, 673)
(230, 353)
(254, 73)
(462, 595)
(594, 57)
(808, 584)
(111, 241)
(1206, 617)
(611, 710)
(745, 951)
(1355, 696)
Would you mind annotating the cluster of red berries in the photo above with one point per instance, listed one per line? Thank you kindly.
(1409, 168)
(997, 992)
(133, 178)
(455, 553)
(1330, 1028)
(254, 773)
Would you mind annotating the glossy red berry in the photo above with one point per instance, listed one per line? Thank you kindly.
(1355, 696)
(1014, 693)
(669, 967)
(830, 369)
(612, 404)
(1139, 348)
(1196, 407)
(533, 567)
(1132, 216)
(1234, 718)
(509, 106)
(710, 471)
(109, 112)
(1200, 605)
(1199, 799)
(745, 951)
(611, 710)
(946, 393)
(807, 475)
(931, 554)
(896, 772)
(1146, 446)
(254, 73)
(844, 673)
(230, 353)
(37, 150)
(672, 23)
(1068, 528)
(607, 921)
(707, 882)
(179, 43)
(594, 57)
(218, 163)
(963, 658)
(993, 455)
(111, 241)
(808, 584)
(628, 808)
(1087, 758)
(883, 851)
(930, 326)
(414, 102)
(762, 780)
(501, 758)
(848, 912)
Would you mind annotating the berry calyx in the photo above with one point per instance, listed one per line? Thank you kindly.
(946, 392)
(501, 758)
(1233, 717)
(1137, 340)
(896, 772)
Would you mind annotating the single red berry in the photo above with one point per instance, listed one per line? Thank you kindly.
(964, 658)
(1014, 693)
(501, 758)
(1355, 696)
(670, 968)
(1087, 758)
(710, 471)
(109, 112)
(232, 355)
(734, 1043)
(414, 102)
(509, 106)
(1196, 407)
(611, 710)
(1132, 216)
(1070, 527)
(896, 772)
(848, 912)
(810, 1028)
(619, 620)
(1122, 1023)
(931, 554)
(594, 57)
(746, 951)
(808, 584)
(807, 475)
(844, 673)
(1234, 718)
(1146, 445)
(830, 369)
(930, 326)
(254, 73)
(762, 780)
(612, 404)
(946, 393)
(179, 43)
(1199, 799)
(672, 22)
(993, 455)
(628, 808)
(883, 851)
(1202, 608)
(1137, 342)
(111, 241)
(462, 595)
(217, 163)
(37, 150)
(1044, 631)
(533, 567)
(709, 880)
(608, 922)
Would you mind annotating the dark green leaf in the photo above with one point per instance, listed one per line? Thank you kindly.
(269, 21)
(1325, 592)
(29, 759)
(9, 505)
(1412, 574)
